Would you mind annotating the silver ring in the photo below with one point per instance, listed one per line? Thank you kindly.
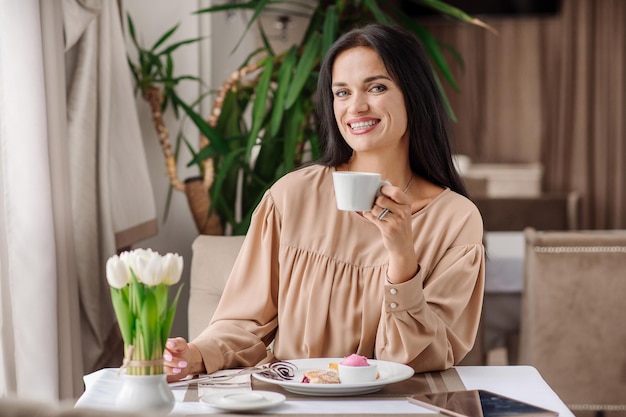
(383, 214)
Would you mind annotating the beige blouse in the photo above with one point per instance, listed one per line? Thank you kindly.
(313, 279)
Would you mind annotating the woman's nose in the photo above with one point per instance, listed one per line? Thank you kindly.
(359, 103)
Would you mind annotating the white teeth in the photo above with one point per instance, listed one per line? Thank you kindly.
(363, 125)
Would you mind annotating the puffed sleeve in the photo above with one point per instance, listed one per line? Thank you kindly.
(246, 317)
(430, 322)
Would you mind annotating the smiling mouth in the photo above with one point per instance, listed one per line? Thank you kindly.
(363, 125)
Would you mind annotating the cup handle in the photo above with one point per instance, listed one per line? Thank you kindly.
(382, 183)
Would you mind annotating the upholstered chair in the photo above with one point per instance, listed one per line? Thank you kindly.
(573, 324)
(213, 258)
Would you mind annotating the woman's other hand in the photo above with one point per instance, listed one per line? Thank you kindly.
(178, 356)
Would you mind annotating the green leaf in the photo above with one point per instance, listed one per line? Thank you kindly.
(169, 68)
(454, 53)
(169, 318)
(215, 140)
(259, 109)
(176, 45)
(149, 318)
(432, 47)
(444, 8)
(134, 72)
(430, 44)
(228, 164)
(176, 80)
(161, 293)
(131, 30)
(136, 294)
(164, 37)
(304, 68)
(380, 16)
(455, 12)
(257, 12)
(253, 54)
(230, 122)
(267, 47)
(329, 32)
(228, 6)
(204, 153)
(314, 139)
(315, 23)
(122, 312)
(295, 119)
(444, 97)
(284, 78)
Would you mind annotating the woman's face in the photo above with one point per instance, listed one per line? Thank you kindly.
(368, 105)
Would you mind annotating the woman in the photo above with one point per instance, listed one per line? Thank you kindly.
(402, 282)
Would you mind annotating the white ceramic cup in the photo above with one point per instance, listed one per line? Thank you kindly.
(356, 191)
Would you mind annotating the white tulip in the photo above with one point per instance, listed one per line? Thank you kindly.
(118, 274)
(146, 264)
(172, 268)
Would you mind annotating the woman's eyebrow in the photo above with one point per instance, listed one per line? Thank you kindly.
(365, 81)
(376, 77)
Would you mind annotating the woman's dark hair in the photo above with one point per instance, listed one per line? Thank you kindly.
(430, 153)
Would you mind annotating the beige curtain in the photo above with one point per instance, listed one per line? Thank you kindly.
(112, 198)
(29, 343)
(74, 189)
(68, 318)
(498, 102)
(548, 89)
(584, 102)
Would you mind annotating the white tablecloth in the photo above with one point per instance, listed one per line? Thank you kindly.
(520, 382)
(504, 266)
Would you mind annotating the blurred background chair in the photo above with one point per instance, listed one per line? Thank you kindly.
(212, 260)
(548, 211)
(573, 327)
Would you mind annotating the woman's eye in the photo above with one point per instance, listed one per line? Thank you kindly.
(378, 88)
(341, 93)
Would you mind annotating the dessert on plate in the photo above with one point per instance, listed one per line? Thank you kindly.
(351, 370)
(356, 369)
(321, 376)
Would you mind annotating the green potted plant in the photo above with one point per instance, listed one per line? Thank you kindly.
(153, 72)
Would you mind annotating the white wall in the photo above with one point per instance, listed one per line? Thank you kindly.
(209, 59)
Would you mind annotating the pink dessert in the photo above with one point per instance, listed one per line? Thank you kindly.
(355, 360)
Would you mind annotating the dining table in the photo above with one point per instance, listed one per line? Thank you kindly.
(520, 382)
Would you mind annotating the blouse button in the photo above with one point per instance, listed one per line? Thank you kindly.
(393, 291)
(393, 305)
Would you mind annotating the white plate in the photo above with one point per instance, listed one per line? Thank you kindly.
(244, 400)
(389, 372)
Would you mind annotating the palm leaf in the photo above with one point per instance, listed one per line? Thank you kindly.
(163, 38)
(283, 81)
(455, 12)
(177, 45)
(295, 119)
(380, 16)
(259, 108)
(330, 29)
(304, 69)
(215, 140)
(257, 12)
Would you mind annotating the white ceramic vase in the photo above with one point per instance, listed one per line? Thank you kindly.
(145, 393)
